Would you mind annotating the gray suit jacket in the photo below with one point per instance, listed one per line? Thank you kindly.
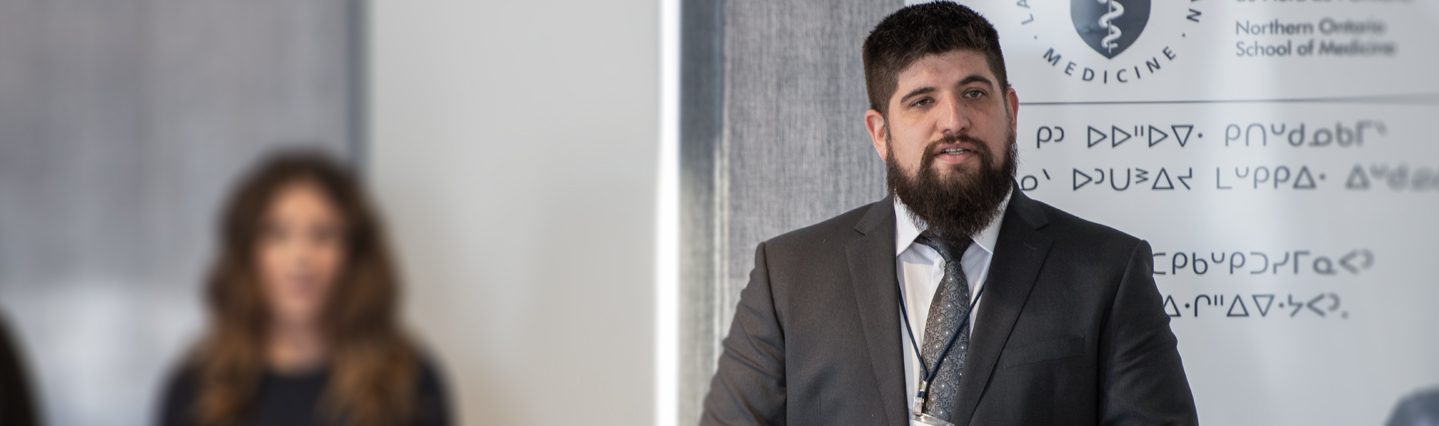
(1071, 332)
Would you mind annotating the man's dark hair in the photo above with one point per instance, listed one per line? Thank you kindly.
(924, 29)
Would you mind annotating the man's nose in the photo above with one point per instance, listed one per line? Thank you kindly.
(952, 116)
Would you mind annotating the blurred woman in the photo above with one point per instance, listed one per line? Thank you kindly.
(304, 326)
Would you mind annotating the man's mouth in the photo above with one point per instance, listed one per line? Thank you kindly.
(954, 153)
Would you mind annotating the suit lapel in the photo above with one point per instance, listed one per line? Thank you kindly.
(876, 290)
(1018, 255)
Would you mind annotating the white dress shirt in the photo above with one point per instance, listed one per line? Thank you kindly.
(919, 269)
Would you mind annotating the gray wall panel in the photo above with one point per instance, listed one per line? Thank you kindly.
(792, 150)
(795, 150)
(701, 129)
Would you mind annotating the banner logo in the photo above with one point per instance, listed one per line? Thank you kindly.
(1109, 26)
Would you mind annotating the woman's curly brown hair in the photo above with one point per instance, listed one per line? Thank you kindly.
(374, 365)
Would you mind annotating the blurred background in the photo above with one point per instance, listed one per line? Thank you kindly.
(575, 188)
(512, 147)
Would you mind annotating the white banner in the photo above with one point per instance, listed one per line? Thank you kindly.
(1280, 158)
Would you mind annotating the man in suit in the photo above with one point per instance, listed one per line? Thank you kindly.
(956, 299)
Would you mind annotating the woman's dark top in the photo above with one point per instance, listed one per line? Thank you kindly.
(294, 400)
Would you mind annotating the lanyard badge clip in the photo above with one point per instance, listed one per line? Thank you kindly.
(921, 419)
(919, 398)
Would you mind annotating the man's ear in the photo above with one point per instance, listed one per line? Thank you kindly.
(1013, 98)
(874, 122)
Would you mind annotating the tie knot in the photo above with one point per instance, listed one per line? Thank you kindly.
(948, 251)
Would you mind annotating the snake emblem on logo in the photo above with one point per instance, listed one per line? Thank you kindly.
(1109, 26)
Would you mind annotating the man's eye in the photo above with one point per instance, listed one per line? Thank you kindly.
(921, 102)
(973, 94)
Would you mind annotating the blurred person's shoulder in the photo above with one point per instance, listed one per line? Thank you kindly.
(1419, 408)
(178, 396)
(182, 387)
(432, 398)
(431, 375)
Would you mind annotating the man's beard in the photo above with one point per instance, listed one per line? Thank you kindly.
(957, 206)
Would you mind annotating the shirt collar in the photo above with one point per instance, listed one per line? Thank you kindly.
(906, 230)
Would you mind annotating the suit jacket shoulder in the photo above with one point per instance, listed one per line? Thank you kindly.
(1085, 262)
(1074, 232)
(814, 259)
(831, 233)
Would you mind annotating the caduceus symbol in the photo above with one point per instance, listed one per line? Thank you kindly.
(1115, 10)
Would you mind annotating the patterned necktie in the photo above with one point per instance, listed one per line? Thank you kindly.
(951, 300)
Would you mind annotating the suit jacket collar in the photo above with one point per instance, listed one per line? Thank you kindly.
(1018, 256)
(876, 290)
(1019, 253)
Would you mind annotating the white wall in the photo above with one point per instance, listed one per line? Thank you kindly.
(514, 148)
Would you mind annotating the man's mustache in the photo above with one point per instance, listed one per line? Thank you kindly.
(980, 148)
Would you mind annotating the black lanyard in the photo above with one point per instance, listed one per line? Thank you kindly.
(928, 374)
